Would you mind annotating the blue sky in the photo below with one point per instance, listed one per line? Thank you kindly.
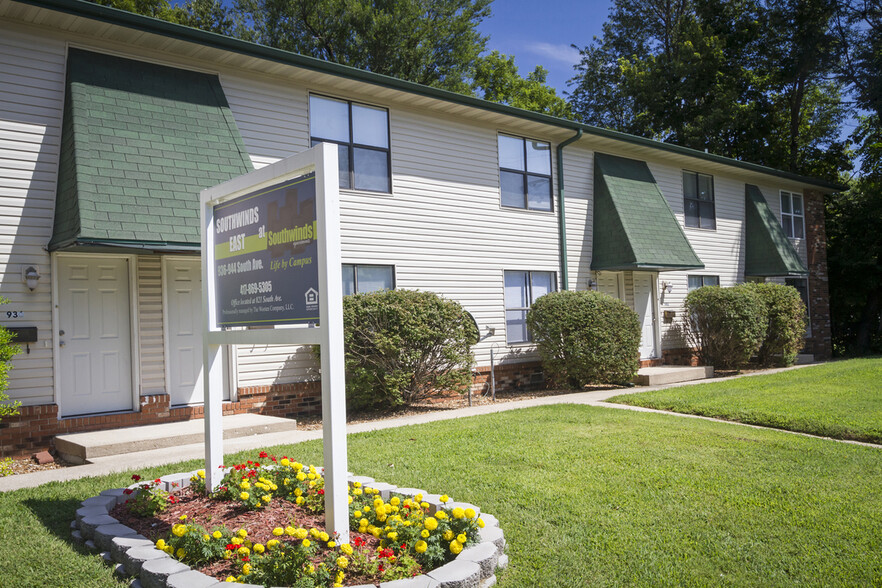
(542, 32)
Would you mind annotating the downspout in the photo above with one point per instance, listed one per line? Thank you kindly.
(561, 212)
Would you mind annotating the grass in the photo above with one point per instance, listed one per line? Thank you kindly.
(585, 495)
(842, 400)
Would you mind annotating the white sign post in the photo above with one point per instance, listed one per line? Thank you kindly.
(258, 260)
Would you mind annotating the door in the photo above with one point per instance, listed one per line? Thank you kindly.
(95, 355)
(183, 303)
(645, 306)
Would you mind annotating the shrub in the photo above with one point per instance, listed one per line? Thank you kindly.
(785, 327)
(585, 337)
(403, 346)
(7, 350)
(725, 325)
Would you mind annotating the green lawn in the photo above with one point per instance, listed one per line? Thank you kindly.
(842, 399)
(585, 495)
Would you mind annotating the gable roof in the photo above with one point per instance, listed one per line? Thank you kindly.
(97, 12)
(768, 251)
(139, 142)
(634, 228)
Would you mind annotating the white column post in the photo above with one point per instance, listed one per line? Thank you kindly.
(212, 362)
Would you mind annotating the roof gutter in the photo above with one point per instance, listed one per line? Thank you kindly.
(561, 211)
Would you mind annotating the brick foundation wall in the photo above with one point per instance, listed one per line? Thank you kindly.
(820, 343)
(680, 356)
(509, 376)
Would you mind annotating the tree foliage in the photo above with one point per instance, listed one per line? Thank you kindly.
(496, 79)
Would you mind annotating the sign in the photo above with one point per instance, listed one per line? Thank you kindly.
(266, 256)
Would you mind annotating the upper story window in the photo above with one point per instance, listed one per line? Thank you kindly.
(696, 282)
(522, 288)
(792, 216)
(361, 133)
(525, 173)
(698, 200)
(362, 278)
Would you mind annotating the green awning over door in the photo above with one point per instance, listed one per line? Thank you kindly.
(768, 251)
(634, 228)
(139, 142)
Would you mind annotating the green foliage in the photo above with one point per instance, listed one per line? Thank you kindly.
(194, 546)
(7, 350)
(147, 498)
(496, 79)
(585, 337)
(725, 325)
(785, 330)
(403, 346)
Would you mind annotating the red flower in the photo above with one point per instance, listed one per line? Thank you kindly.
(156, 481)
(380, 569)
(128, 491)
(136, 477)
(262, 455)
(321, 491)
(232, 547)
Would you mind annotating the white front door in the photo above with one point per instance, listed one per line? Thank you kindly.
(95, 355)
(645, 306)
(183, 304)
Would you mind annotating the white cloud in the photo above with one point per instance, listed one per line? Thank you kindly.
(562, 53)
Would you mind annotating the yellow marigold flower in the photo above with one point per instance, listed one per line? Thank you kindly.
(357, 492)
(259, 548)
(297, 466)
(179, 530)
(392, 535)
(421, 546)
(242, 533)
(444, 498)
(245, 485)
(285, 462)
(470, 513)
(290, 531)
(217, 534)
(298, 492)
(441, 515)
(367, 508)
(480, 523)
(314, 532)
(246, 569)
(455, 547)
(244, 495)
(228, 554)
(458, 513)
(376, 532)
(431, 523)
(378, 503)
(408, 502)
(357, 514)
(462, 538)
(425, 533)
(395, 501)
(300, 476)
(342, 562)
(298, 500)
(381, 518)
(310, 569)
(243, 550)
(306, 543)
(236, 541)
(332, 544)
(387, 508)
(182, 518)
(201, 474)
(346, 548)
(266, 497)
(311, 476)
(448, 535)
(324, 536)
(180, 553)
(363, 523)
(169, 550)
(424, 505)
(230, 579)
(278, 531)
(206, 537)
(418, 497)
(272, 543)
(160, 544)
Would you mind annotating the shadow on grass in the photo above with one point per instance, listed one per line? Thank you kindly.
(56, 515)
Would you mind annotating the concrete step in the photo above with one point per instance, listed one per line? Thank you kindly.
(82, 447)
(805, 358)
(671, 374)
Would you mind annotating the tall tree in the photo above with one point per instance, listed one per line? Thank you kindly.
(431, 42)
(496, 79)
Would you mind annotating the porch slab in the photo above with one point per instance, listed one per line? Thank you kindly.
(82, 447)
(671, 374)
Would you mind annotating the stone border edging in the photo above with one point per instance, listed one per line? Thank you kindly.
(136, 556)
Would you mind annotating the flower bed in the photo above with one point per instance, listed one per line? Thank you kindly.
(263, 527)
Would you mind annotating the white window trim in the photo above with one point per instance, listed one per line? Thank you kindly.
(790, 215)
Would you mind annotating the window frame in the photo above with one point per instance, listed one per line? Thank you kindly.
(355, 267)
(788, 219)
(703, 278)
(526, 174)
(351, 145)
(530, 298)
(699, 201)
(805, 300)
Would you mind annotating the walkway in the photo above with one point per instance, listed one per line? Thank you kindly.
(106, 465)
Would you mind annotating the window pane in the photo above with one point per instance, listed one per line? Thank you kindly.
(543, 283)
(369, 126)
(512, 185)
(787, 225)
(690, 185)
(539, 157)
(348, 279)
(705, 187)
(797, 227)
(516, 326)
(328, 119)
(706, 211)
(785, 202)
(694, 283)
(511, 152)
(516, 290)
(342, 161)
(691, 212)
(711, 280)
(538, 193)
(371, 170)
(797, 204)
(372, 278)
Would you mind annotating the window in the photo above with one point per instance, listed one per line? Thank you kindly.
(525, 173)
(521, 289)
(361, 133)
(361, 279)
(801, 285)
(696, 282)
(792, 217)
(698, 200)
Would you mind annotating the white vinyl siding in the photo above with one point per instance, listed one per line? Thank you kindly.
(31, 98)
(150, 325)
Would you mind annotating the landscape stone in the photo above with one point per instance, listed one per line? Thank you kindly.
(493, 535)
(105, 534)
(191, 579)
(119, 545)
(464, 506)
(489, 520)
(385, 489)
(155, 571)
(89, 511)
(90, 523)
(135, 557)
(486, 555)
(503, 562)
(108, 502)
(43, 458)
(118, 493)
(488, 582)
(364, 480)
(77, 537)
(457, 574)
(415, 582)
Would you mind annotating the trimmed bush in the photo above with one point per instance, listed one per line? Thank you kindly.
(403, 346)
(725, 325)
(7, 350)
(585, 338)
(785, 329)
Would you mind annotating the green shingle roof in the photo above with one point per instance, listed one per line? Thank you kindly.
(768, 250)
(139, 141)
(634, 228)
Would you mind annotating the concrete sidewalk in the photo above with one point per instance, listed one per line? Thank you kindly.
(129, 461)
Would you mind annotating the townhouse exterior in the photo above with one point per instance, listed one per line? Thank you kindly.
(111, 123)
